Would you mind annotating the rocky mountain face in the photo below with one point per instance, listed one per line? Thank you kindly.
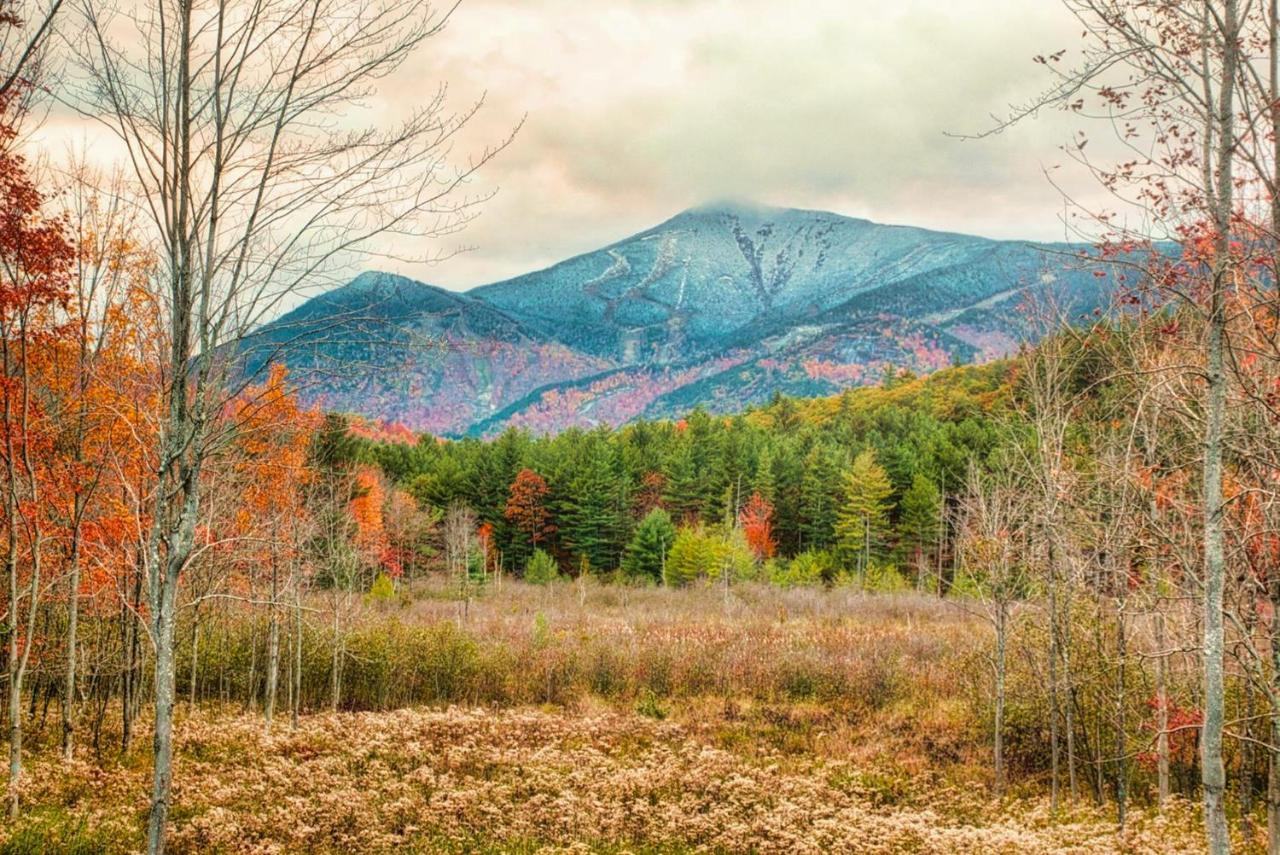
(720, 307)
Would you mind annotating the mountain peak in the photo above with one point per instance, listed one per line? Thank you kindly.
(377, 282)
(735, 207)
(752, 214)
(718, 306)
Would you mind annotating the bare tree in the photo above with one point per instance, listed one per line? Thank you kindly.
(238, 118)
(990, 545)
(1168, 77)
(25, 29)
(459, 541)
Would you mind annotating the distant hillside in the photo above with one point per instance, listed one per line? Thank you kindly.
(720, 306)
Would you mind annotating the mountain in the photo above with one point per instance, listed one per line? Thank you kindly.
(720, 306)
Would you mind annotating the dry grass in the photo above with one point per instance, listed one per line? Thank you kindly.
(592, 718)
(530, 780)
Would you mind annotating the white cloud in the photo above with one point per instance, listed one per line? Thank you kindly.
(637, 109)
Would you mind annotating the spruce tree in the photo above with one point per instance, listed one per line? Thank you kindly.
(646, 554)
(919, 520)
(683, 491)
(591, 518)
(819, 497)
(765, 481)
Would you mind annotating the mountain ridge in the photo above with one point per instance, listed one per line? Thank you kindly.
(718, 306)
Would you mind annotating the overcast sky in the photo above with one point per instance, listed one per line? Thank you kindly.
(637, 109)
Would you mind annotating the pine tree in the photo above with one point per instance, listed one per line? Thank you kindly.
(683, 489)
(919, 520)
(765, 481)
(646, 554)
(819, 497)
(864, 516)
(591, 519)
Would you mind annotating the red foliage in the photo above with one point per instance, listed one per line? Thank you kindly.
(649, 496)
(527, 509)
(756, 519)
(1183, 729)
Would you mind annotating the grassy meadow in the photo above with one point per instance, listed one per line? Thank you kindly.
(580, 717)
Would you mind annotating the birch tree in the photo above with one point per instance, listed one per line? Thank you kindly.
(239, 119)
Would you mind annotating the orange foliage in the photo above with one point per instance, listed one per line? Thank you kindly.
(756, 519)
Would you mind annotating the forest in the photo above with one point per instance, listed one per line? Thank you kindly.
(1028, 605)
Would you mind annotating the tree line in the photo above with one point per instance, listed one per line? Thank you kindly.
(856, 485)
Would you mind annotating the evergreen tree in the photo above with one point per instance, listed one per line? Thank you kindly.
(683, 490)
(819, 497)
(591, 518)
(646, 554)
(919, 520)
(765, 482)
(864, 516)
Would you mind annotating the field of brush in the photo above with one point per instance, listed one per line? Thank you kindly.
(590, 718)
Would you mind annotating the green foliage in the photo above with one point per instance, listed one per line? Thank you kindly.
(796, 453)
(542, 569)
(59, 830)
(649, 706)
(383, 589)
(693, 555)
(884, 578)
(702, 553)
(919, 519)
(864, 515)
(591, 510)
(820, 496)
(811, 567)
(647, 552)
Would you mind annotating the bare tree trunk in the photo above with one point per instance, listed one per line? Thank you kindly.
(1054, 707)
(335, 687)
(1069, 723)
(273, 649)
(296, 700)
(1212, 770)
(1001, 623)
(73, 617)
(1121, 761)
(15, 690)
(1162, 712)
(162, 741)
(132, 668)
(195, 657)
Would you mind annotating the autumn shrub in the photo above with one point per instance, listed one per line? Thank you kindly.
(811, 567)
(884, 578)
(532, 644)
(541, 569)
(706, 553)
(383, 589)
(643, 778)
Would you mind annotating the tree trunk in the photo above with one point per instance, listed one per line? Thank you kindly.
(1162, 713)
(1122, 764)
(195, 657)
(297, 656)
(15, 693)
(1054, 710)
(273, 650)
(1001, 643)
(1069, 715)
(1212, 770)
(73, 617)
(165, 680)
(335, 688)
